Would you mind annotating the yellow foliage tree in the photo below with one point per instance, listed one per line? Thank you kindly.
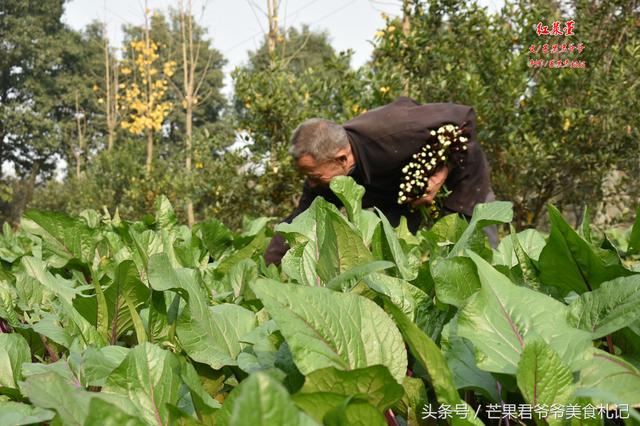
(145, 91)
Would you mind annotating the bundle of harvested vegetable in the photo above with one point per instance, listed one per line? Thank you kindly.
(443, 145)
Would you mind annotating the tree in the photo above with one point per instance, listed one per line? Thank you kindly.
(166, 32)
(110, 178)
(192, 83)
(111, 86)
(145, 93)
(43, 70)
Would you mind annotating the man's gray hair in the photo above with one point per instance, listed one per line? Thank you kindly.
(319, 138)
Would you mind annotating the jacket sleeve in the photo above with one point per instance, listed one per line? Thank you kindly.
(278, 246)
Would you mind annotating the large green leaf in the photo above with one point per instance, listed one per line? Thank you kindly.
(501, 316)
(530, 274)
(357, 273)
(461, 360)
(449, 229)
(93, 366)
(103, 413)
(49, 326)
(399, 292)
(318, 404)
(427, 352)
(405, 235)
(339, 247)
(634, 237)
(613, 306)
(245, 252)
(331, 247)
(299, 264)
(216, 237)
(163, 276)
(240, 275)
(350, 193)
(484, 214)
(390, 247)
(85, 331)
(165, 216)
(203, 403)
(570, 263)
(102, 309)
(415, 399)
(17, 413)
(8, 302)
(585, 226)
(543, 378)
(252, 227)
(260, 400)
(124, 297)
(304, 226)
(375, 384)
(64, 237)
(263, 351)
(49, 390)
(145, 244)
(69, 328)
(27, 292)
(181, 246)
(609, 379)
(336, 409)
(150, 378)
(214, 338)
(411, 300)
(325, 328)
(531, 240)
(354, 412)
(65, 396)
(14, 351)
(59, 286)
(455, 279)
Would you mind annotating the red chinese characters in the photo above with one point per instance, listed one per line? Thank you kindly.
(556, 48)
(554, 53)
(556, 29)
(556, 63)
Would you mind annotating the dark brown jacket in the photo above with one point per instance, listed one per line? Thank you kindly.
(383, 141)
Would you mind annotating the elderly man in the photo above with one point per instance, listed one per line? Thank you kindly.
(373, 148)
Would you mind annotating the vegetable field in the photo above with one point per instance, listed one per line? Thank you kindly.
(112, 322)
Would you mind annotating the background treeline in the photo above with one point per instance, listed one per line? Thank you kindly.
(148, 117)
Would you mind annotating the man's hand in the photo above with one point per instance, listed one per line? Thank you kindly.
(435, 183)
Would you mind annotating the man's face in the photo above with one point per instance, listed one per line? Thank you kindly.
(322, 173)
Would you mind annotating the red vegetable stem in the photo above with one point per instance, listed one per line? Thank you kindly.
(52, 353)
(610, 344)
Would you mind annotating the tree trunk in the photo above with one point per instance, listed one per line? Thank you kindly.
(2, 133)
(79, 128)
(188, 68)
(107, 78)
(189, 128)
(76, 154)
(406, 27)
(22, 197)
(272, 36)
(147, 76)
(149, 151)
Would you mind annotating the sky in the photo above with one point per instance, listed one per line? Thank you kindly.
(236, 26)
